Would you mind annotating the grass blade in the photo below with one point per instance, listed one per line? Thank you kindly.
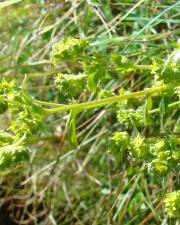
(7, 3)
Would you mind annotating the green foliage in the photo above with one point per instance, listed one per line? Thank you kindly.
(118, 70)
(122, 64)
(95, 67)
(71, 128)
(169, 71)
(5, 138)
(161, 155)
(3, 107)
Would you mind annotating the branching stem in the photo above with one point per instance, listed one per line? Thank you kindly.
(109, 100)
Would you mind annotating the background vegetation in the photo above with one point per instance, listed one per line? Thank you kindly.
(89, 184)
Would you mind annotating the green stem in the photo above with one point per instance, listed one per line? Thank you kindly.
(143, 67)
(49, 73)
(47, 103)
(109, 100)
(169, 106)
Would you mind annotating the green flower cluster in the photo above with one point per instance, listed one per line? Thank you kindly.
(159, 154)
(68, 49)
(121, 140)
(119, 143)
(94, 66)
(11, 150)
(165, 157)
(5, 90)
(11, 155)
(70, 85)
(25, 116)
(172, 204)
(128, 115)
(139, 148)
(131, 117)
(26, 119)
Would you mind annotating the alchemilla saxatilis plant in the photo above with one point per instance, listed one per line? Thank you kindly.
(140, 113)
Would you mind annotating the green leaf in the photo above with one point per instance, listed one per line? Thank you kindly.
(91, 82)
(162, 107)
(3, 107)
(95, 68)
(122, 64)
(71, 128)
(5, 138)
